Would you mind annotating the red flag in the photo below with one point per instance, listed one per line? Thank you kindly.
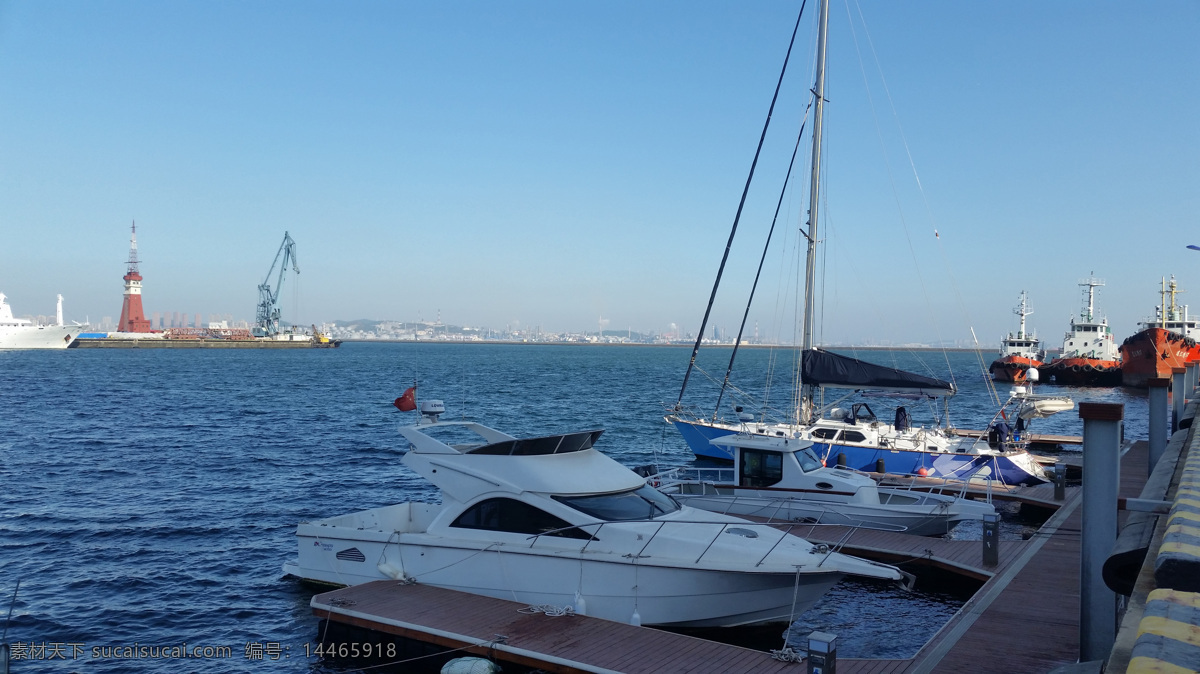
(408, 401)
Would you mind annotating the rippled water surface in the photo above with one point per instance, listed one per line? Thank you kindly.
(150, 497)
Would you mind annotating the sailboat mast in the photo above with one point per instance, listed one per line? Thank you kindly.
(806, 394)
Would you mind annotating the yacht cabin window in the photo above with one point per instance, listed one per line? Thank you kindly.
(825, 433)
(760, 468)
(643, 503)
(513, 516)
(808, 460)
(854, 436)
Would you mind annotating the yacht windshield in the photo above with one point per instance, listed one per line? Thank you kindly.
(643, 503)
(808, 461)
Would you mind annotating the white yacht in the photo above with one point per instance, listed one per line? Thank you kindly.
(19, 333)
(552, 521)
(781, 478)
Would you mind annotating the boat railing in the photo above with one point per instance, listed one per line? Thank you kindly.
(722, 527)
(687, 474)
(958, 487)
(766, 416)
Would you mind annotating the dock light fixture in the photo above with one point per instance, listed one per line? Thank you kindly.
(822, 653)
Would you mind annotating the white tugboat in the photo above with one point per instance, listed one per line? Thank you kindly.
(1019, 351)
(1090, 356)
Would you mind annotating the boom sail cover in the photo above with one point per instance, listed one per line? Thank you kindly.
(831, 370)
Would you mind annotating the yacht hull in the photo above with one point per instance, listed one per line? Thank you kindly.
(610, 589)
(698, 434)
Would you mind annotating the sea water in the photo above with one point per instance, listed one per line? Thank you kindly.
(148, 498)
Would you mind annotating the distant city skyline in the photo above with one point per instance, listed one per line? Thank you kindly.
(534, 163)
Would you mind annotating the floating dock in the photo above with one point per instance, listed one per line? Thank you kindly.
(505, 631)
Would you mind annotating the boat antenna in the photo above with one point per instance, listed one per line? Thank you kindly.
(738, 216)
(806, 395)
(745, 316)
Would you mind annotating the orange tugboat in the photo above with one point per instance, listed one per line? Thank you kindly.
(1166, 341)
(1089, 354)
(1019, 351)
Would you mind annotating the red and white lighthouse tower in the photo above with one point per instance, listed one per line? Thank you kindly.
(132, 317)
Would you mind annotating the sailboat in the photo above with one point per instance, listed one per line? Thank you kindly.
(854, 437)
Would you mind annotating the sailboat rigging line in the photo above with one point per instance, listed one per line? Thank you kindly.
(738, 216)
(892, 104)
(757, 274)
(991, 387)
(11, 604)
(891, 177)
(925, 201)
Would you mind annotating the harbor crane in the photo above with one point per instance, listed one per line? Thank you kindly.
(266, 322)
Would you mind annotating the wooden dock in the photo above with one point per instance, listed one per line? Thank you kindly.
(1034, 438)
(483, 626)
(964, 558)
(1024, 618)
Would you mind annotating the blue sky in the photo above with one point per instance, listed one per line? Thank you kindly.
(549, 163)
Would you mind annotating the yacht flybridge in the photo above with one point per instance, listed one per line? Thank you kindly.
(552, 521)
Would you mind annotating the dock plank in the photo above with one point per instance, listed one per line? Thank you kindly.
(471, 619)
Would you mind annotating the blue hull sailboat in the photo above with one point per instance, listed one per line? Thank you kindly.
(855, 437)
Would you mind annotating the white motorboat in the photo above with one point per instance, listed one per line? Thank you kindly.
(19, 333)
(552, 521)
(781, 478)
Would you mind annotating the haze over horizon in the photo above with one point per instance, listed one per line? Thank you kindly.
(552, 164)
